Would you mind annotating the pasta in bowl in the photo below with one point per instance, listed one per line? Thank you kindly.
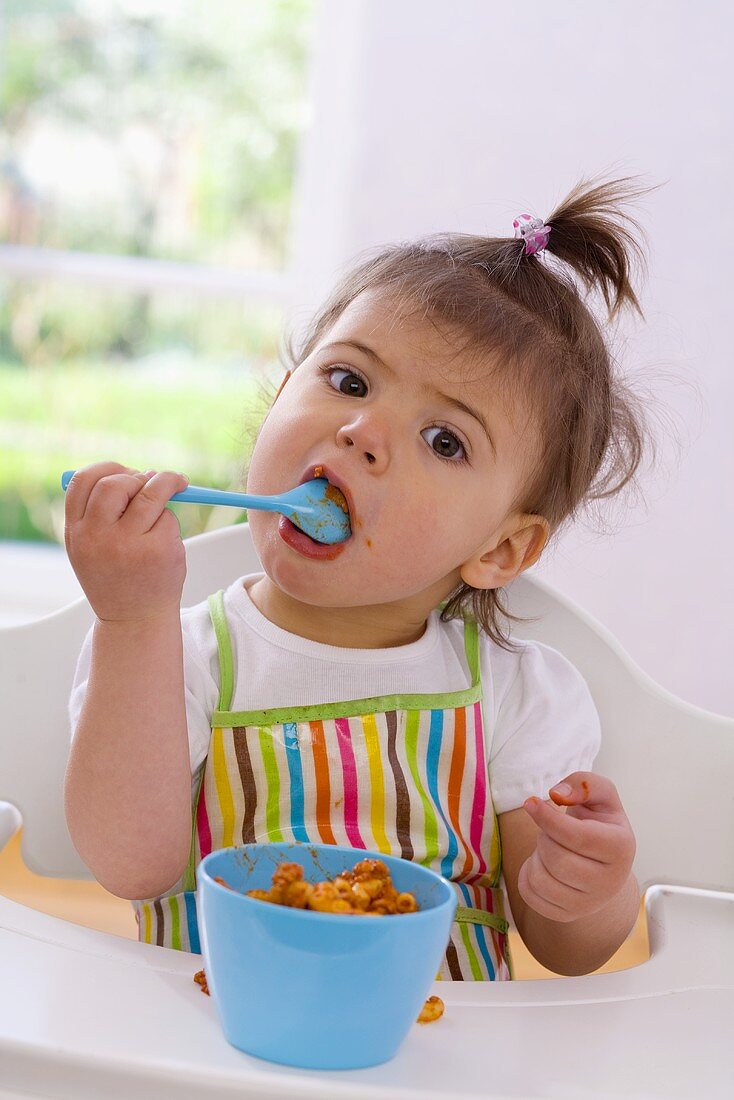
(366, 890)
(322, 987)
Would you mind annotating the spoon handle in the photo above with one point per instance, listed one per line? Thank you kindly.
(197, 494)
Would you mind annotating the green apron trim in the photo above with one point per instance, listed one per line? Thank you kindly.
(351, 708)
(465, 915)
(189, 876)
(224, 645)
(471, 645)
(224, 718)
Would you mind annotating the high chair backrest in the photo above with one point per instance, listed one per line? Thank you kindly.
(672, 763)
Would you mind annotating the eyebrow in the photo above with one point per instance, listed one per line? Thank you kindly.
(453, 401)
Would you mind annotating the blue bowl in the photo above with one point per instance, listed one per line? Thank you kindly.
(317, 990)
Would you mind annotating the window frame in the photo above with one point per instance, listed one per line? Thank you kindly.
(334, 25)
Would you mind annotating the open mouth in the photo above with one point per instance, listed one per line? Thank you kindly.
(336, 490)
(310, 537)
(303, 544)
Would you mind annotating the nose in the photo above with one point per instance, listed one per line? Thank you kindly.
(367, 436)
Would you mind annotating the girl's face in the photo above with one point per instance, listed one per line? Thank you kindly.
(429, 489)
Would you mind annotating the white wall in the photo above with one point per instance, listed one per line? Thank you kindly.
(433, 115)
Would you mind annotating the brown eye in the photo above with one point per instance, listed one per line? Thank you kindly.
(350, 384)
(445, 444)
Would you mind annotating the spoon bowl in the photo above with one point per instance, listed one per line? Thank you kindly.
(315, 506)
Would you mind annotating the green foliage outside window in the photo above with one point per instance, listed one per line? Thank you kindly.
(158, 130)
(153, 128)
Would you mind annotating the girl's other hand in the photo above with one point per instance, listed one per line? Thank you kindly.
(583, 857)
(124, 544)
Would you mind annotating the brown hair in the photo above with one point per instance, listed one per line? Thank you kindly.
(527, 313)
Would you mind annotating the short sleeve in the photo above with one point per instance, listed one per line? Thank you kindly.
(545, 723)
(200, 685)
(81, 679)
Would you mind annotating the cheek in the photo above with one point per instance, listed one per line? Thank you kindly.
(446, 513)
(264, 534)
(278, 448)
(440, 532)
(421, 535)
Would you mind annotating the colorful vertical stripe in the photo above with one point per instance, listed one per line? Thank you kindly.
(169, 921)
(377, 784)
(322, 783)
(405, 783)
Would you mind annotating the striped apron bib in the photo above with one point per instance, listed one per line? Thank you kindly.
(404, 775)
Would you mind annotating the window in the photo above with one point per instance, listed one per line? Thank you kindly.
(148, 156)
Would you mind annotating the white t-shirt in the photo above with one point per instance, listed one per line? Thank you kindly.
(539, 718)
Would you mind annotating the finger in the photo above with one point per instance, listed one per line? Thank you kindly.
(586, 837)
(595, 792)
(547, 886)
(146, 508)
(110, 497)
(167, 526)
(527, 885)
(83, 482)
(568, 867)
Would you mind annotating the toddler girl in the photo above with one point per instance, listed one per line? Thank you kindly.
(461, 395)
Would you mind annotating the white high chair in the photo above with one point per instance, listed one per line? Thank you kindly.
(82, 1012)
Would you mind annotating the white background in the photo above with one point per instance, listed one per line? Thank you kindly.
(457, 116)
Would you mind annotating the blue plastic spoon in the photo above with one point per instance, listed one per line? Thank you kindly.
(306, 505)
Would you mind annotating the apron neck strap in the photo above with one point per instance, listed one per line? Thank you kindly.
(471, 643)
(224, 645)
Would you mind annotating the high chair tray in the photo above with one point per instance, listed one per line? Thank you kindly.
(84, 1014)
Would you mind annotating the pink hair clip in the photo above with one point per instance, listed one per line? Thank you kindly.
(532, 231)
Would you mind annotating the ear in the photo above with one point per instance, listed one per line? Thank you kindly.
(519, 545)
